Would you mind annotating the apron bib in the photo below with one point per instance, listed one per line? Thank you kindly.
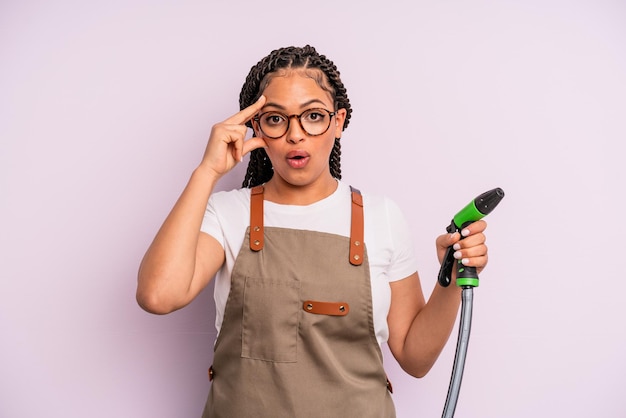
(297, 339)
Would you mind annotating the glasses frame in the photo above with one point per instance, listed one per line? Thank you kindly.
(257, 119)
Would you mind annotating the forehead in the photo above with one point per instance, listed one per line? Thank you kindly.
(296, 87)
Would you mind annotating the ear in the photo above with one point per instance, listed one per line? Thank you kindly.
(340, 118)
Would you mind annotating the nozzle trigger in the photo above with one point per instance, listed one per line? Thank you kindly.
(445, 271)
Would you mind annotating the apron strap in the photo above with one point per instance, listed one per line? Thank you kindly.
(256, 218)
(356, 224)
(356, 228)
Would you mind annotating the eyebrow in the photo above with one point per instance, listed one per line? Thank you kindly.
(305, 104)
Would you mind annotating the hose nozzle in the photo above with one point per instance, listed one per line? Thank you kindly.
(474, 211)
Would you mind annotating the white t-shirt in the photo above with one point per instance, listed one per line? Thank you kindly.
(387, 239)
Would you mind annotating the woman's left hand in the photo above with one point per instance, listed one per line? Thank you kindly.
(471, 249)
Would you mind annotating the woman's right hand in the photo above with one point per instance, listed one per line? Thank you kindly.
(181, 260)
(227, 144)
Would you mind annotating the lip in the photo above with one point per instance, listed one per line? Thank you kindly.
(298, 158)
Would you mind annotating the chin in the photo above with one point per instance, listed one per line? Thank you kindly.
(296, 179)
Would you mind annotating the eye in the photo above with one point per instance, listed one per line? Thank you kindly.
(314, 115)
(273, 119)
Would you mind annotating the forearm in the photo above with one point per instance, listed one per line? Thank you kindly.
(431, 329)
(167, 270)
(419, 330)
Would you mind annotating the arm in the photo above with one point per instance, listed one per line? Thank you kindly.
(418, 330)
(182, 260)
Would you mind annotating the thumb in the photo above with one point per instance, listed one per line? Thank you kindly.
(252, 144)
(443, 242)
(446, 240)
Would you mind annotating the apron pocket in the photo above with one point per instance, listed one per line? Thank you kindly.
(270, 319)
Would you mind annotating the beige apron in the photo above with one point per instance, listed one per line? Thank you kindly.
(297, 339)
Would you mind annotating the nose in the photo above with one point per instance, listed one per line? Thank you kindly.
(295, 133)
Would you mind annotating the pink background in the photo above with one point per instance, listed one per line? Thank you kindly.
(105, 108)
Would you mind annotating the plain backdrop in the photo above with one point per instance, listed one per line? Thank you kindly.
(105, 109)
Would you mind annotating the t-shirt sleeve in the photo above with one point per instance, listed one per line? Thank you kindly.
(403, 261)
(211, 224)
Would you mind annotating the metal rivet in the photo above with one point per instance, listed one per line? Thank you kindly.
(257, 242)
(342, 308)
(357, 243)
(309, 306)
(257, 229)
(356, 257)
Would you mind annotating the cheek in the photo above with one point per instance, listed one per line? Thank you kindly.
(330, 144)
(271, 149)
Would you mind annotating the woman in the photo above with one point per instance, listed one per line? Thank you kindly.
(311, 276)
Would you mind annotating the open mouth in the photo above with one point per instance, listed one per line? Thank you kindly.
(297, 159)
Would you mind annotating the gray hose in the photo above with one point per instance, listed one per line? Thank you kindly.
(465, 326)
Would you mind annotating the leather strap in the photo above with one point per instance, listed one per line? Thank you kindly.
(256, 218)
(356, 228)
(326, 308)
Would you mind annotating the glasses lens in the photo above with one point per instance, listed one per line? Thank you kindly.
(273, 124)
(315, 121)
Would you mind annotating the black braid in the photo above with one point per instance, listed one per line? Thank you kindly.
(335, 157)
(260, 168)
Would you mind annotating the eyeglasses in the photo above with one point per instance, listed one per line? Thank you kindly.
(312, 121)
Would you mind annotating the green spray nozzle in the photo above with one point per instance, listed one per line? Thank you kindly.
(474, 211)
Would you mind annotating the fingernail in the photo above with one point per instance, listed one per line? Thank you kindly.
(465, 261)
(456, 246)
(465, 232)
(457, 255)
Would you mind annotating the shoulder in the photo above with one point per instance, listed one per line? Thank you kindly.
(230, 197)
(380, 205)
(384, 219)
(228, 208)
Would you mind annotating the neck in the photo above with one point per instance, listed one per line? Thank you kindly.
(284, 193)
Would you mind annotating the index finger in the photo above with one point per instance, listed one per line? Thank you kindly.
(475, 227)
(246, 114)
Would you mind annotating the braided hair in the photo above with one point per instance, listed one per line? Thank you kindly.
(260, 168)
